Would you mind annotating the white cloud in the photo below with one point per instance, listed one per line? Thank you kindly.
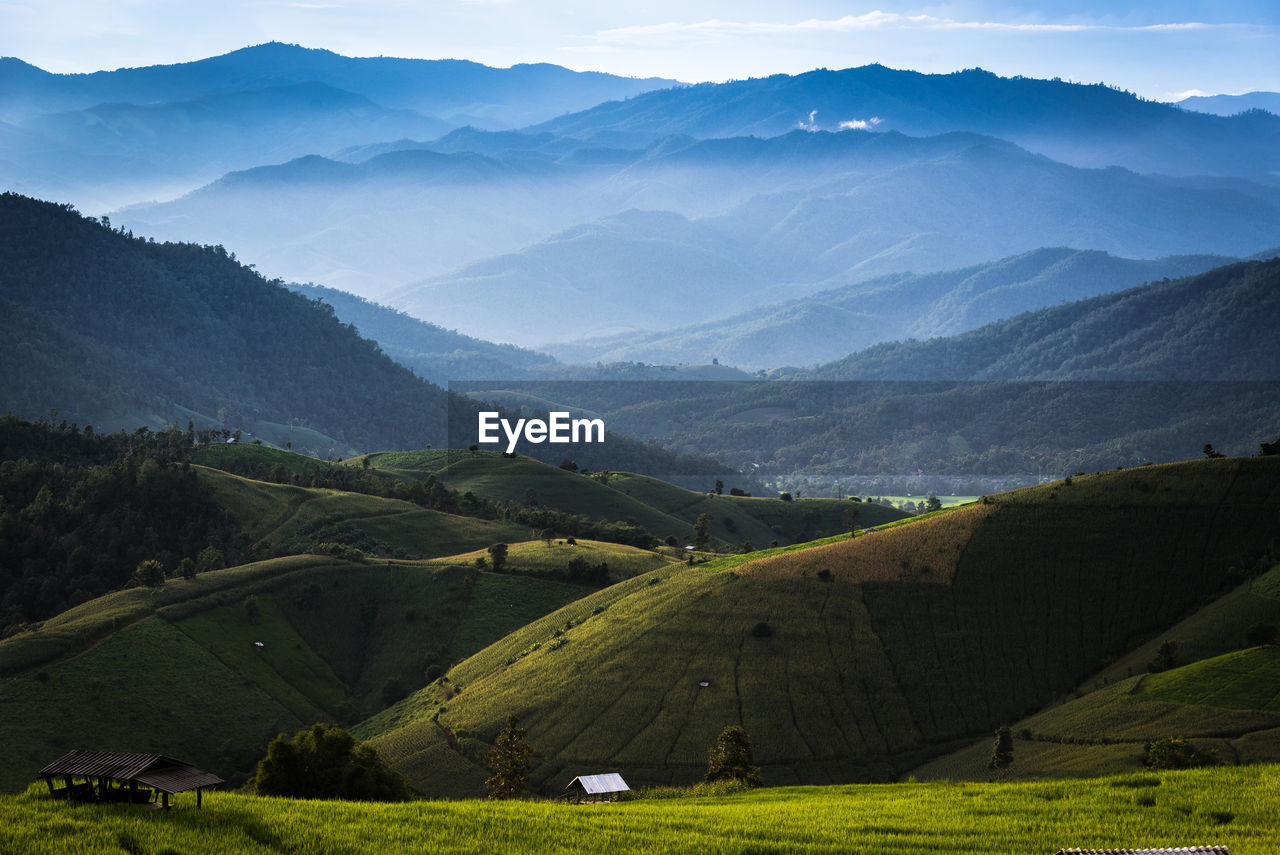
(860, 124)
(716, 28)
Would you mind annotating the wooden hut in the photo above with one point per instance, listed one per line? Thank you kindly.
(597, 787)
(116, 777)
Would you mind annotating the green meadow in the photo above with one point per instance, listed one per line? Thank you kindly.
(1232, 806)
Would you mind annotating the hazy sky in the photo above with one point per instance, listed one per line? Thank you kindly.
(1159, 50)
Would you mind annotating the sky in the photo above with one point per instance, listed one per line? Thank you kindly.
(1162, 51)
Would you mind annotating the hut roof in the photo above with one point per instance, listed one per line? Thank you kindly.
(610, 782)
(153, 770)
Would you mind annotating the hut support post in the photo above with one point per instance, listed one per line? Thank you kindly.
(164, 798)
(198, 791)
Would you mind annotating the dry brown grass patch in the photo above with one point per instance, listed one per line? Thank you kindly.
(924, 552)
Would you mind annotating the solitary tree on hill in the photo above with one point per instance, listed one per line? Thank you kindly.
(731, 759)
(509, 761)
(1002, 749)
(498, 554)
(851, 515)
(700, 531)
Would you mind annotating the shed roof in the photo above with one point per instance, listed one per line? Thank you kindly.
(610, 782)
(152, 770)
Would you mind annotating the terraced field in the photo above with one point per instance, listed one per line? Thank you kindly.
(282, 516)
(841, 680)
(176, 670)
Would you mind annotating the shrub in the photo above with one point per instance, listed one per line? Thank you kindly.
(1174, 752)
(326, 762)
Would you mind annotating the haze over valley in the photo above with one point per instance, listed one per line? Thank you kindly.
(934, 406)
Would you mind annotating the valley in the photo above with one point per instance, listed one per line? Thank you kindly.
(936, 486)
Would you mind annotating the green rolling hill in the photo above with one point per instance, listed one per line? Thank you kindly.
(1222, 701)
(662, 508)
(175, 670)
(857, 660)
(396, 598)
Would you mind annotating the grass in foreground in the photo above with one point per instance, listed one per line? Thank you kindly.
(1233, 807)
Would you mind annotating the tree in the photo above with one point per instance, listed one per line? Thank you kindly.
(1002, 749)
(149, 572)
(851, 515)
(325, 762)
(731, 758)
(498, 554)
(933, 503)
(700, 531)
(210, 558)
(1166, 658)
(509, 760)
(1212, 453)
(786, 497)
(719, 488)
(547, 535)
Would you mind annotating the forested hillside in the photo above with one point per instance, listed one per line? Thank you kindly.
(1152, 373)
(833, 323)
(118, 331)
(1216, 326)
(428, 350)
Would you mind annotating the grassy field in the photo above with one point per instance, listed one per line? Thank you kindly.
(846, 678)
(1244, 680)
(175, 670)
(760, 520)
(928, 554)
(1223, 702)
(536, 556)
(1231, 807)
(661, 508)
(280, 516)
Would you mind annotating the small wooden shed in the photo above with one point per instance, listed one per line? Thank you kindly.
(598, 787)
(119, 777)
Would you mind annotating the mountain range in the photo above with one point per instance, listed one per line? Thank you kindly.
(1230, 105)
(746, 222)
(1091, 126)
(833, 323)
(134, 134)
